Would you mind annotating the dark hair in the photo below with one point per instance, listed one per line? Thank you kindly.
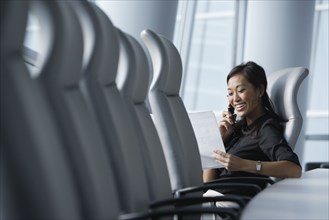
(255, 74)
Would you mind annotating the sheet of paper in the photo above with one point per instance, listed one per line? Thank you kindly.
(207, 134)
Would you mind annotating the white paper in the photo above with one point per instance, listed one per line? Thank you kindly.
(208, 136)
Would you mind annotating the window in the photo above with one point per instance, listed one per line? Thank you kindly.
(211, 54)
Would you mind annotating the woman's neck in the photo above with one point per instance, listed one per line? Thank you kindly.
(256, 114)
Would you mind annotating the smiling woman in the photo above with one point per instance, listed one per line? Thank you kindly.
(255, 145)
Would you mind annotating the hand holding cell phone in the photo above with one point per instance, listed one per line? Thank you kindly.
(226, 124)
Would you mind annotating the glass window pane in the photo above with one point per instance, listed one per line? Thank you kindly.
(211, 55)
(320, 76)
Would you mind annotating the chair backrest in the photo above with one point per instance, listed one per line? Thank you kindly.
(60, 79)
(171, 118)
(112, 116)
(283, 87)
(135, 73)
(36, 177)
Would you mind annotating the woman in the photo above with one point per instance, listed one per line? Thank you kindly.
(255, 145)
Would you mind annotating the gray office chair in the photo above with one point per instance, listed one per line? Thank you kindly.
(36, 179)
(283, 87)
(134, 71)
(171, 118)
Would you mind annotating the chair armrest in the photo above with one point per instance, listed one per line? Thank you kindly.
(183, 211)
(197, 200)
(247, 180)
(254, 189)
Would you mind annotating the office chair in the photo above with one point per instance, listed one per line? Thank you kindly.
(36, 179)
(170, 116)
(172, 121)
(133, 70)
(283, 87)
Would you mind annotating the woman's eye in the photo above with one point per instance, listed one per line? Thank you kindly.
(229, 94)
(241, 90)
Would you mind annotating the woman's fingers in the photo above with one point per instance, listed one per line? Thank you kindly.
(225, 128)
(229, 161)
(227, 117)
(224, 124)
(226, 113)
(220, 156)
(219, 152)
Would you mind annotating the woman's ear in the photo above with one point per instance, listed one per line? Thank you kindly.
(261, 91)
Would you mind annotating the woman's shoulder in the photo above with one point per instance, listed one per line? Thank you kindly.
(267, 123)
(271, 122)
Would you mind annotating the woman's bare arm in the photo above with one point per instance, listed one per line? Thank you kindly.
(279, 169)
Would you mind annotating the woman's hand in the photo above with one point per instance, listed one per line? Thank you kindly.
(229, 161)
(226, 125)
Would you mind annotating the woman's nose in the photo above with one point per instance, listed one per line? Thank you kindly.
(236, 97)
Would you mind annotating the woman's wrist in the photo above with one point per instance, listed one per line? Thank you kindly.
(250, 166)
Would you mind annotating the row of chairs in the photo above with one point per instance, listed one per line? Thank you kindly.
(78, 144)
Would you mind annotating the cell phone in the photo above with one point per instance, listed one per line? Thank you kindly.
(231, 109)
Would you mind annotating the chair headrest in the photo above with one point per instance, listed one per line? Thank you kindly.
(59, 24)
(167, 64)
(86, 17)
(283, 87)
(13, 14)
(103, 64)
(133, 69)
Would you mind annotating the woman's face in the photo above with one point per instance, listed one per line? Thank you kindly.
(245, 98)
